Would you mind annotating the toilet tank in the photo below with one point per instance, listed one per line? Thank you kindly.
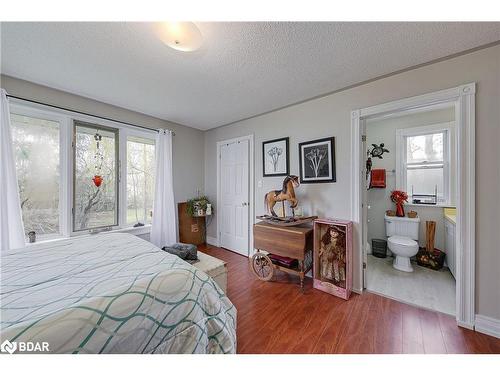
(402, 226)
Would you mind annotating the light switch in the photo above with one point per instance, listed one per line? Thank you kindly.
(259, 184)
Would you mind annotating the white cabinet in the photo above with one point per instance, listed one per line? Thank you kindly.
(449, 228)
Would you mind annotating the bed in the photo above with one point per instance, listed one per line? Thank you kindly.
(112, 293)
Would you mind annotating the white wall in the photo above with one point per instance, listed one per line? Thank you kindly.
(384, 131)
(330, 116)
(188, 143)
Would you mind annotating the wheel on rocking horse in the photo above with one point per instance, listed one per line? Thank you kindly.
(262, 267)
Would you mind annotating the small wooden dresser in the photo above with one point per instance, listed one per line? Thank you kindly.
(191, 229)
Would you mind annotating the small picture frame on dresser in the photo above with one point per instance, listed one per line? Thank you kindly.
(332, 258)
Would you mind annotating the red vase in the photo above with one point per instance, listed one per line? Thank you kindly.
(400, 212)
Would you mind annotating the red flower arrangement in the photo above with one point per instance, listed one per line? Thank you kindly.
(399, 197)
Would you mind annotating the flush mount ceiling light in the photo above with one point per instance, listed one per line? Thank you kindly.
(182, 36)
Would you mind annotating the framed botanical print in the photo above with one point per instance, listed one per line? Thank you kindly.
(275, 157)
(332, 258)
(317, 161)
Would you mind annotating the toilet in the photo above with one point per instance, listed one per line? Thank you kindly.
(402, 233)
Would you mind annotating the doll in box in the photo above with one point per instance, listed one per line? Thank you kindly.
(332, 256)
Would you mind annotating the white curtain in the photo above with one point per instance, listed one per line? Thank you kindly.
(11, 221)
(163, 231)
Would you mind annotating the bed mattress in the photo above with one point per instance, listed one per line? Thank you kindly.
(112, 293)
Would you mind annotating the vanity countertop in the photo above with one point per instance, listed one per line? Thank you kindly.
(451, 214)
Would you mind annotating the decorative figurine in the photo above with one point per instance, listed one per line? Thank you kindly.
(287, 193)
(374, 152)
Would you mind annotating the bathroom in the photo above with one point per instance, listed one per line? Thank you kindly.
(415, 153)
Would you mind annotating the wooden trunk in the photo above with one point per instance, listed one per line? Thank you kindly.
(191, 229)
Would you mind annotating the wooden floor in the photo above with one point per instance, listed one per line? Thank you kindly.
(274, 317)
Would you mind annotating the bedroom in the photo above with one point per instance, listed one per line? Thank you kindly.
(123, 138)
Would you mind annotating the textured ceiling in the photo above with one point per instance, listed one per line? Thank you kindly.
(241, 70)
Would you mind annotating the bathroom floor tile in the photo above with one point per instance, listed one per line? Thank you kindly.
(434, 290)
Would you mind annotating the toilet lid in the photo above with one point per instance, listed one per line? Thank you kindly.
(400, 240)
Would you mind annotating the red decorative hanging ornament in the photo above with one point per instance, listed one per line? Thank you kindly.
(98, 158)
(97, 180)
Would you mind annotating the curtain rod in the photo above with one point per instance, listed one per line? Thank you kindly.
(87, 114)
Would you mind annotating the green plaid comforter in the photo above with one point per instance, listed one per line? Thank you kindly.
(112, 293)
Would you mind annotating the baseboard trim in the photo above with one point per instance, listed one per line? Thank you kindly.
(212, 241)
(488, 326)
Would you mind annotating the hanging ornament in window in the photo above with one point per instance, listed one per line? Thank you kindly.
(98, 160)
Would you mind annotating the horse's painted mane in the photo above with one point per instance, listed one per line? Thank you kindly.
(284, 190)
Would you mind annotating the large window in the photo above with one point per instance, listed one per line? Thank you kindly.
(36, 149)
(425, 160)
(78, 174)
(140, 180)
(95, 191)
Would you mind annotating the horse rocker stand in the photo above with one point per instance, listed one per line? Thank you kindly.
(287, 249)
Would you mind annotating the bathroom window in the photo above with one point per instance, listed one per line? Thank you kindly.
(423, 163)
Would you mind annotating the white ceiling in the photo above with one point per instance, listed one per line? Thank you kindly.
(241, 70)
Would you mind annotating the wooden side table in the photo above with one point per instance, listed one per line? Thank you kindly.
(292, 242)
(192, 229)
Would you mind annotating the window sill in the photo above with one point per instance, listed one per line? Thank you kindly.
(439, 205)
(136, 231)
(131, 230)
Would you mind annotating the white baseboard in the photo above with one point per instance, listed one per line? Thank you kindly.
(212, 241)
(488, 326)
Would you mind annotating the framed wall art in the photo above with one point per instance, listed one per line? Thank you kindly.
(317, 161)
(332, 258)
(275, 157)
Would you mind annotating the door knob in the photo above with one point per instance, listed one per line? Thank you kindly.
(244, 204)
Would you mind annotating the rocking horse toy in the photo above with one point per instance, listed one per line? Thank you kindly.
(287, 193)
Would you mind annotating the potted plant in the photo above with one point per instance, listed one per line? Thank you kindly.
(198, 206)
(399, 197)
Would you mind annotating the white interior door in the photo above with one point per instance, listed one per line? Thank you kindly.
(234, 194)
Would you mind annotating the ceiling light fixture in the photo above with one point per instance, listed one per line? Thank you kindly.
(182, 36)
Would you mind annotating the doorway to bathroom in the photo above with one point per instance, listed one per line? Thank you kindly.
(411, 157)
(419, 151)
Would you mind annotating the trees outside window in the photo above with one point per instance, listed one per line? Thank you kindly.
(95, 206)
(57, 158)
(140, 180)
(425, 162)
(36, 149)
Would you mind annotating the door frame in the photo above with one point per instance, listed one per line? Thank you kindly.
(462, 98)
(251, 208)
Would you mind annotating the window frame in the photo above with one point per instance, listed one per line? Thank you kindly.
(96, 127)
(401, 157)
(64, 161)
(67, 120)
(124, 169)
